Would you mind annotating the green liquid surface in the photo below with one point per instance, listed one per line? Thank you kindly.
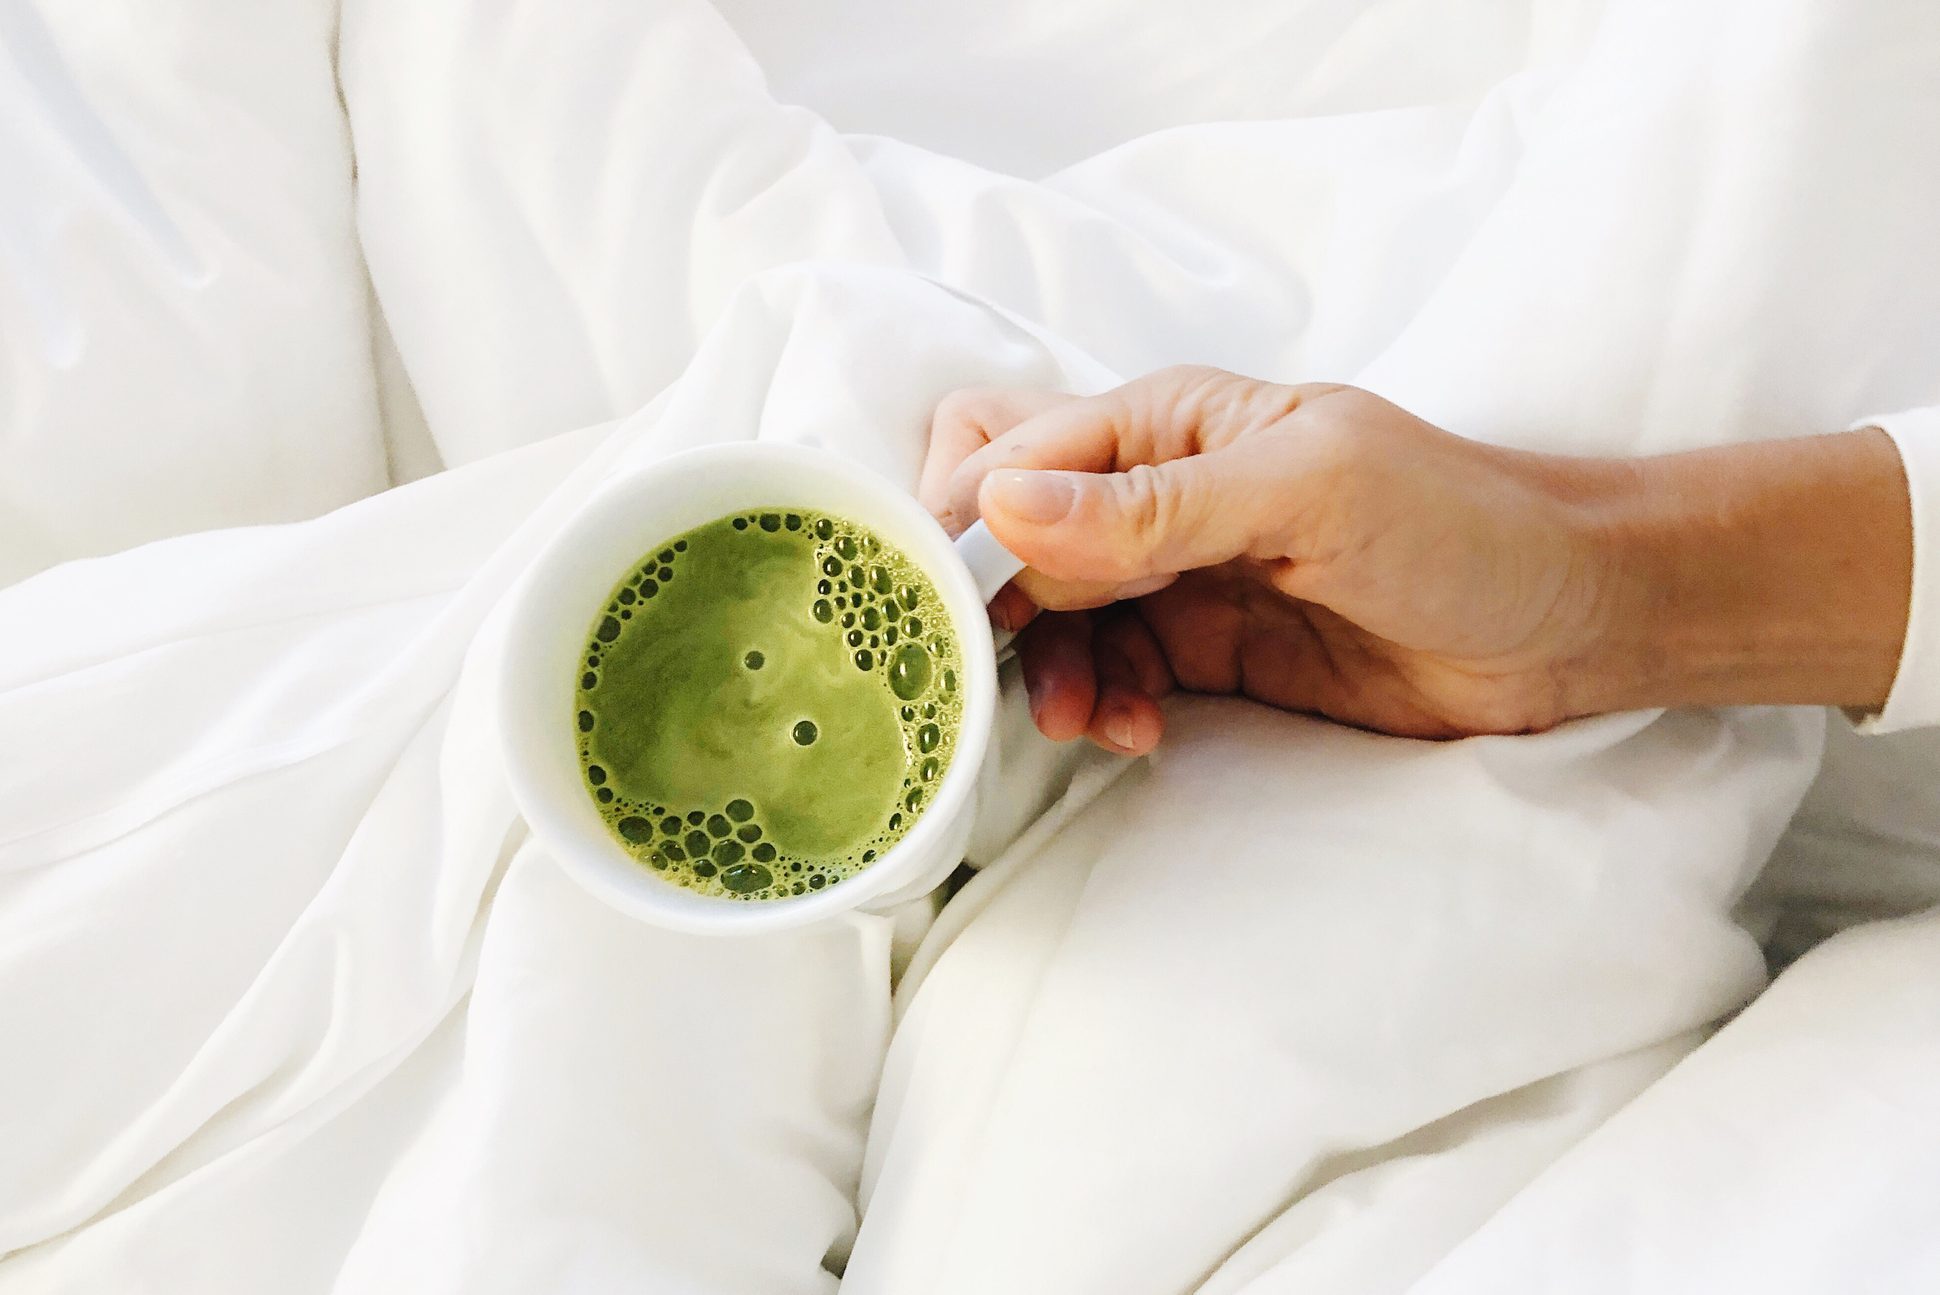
(767, 703)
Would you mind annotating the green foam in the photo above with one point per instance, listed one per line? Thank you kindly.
(722, 692)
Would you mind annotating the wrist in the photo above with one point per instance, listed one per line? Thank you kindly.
(1769, 573)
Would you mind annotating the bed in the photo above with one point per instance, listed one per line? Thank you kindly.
(315, 321)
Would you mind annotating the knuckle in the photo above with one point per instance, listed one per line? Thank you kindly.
(1138, 499)
(1191, 392)
(966, 405)
(1157, 505)
(1181, 379)
(1207, 407)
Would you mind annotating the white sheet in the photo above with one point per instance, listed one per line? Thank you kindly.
(310, 1012)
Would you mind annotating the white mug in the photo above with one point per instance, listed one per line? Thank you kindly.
(556, 603)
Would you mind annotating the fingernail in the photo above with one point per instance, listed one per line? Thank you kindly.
(1118, 727)
(1139, 588)
(1037, 497)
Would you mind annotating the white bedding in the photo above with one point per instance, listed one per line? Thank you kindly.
(292, 1002)
(185, 338)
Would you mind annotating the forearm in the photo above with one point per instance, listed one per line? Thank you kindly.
(1769, 573)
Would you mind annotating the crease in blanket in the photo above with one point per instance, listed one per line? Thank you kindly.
(256, 1081)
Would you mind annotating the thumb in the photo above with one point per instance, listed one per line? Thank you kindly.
(1117, 527)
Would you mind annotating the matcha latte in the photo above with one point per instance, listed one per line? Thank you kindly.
(766, 703)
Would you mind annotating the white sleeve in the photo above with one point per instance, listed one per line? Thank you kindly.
(1914, 701)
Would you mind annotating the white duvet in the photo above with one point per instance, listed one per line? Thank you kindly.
(289, 999)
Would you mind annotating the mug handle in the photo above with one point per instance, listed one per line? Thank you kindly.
(991, 564)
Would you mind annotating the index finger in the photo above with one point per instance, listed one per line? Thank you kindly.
(964, 422)
(1088, 434)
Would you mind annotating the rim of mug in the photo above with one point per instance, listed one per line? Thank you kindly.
(593, 857)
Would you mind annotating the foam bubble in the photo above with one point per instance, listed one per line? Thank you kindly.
(746, 878)
(909, 672)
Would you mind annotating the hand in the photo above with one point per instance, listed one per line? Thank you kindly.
(1311, 547)
(1318, 549)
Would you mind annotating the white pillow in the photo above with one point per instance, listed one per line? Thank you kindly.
(184, 335)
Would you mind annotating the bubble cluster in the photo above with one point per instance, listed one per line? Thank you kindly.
(887, 617)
